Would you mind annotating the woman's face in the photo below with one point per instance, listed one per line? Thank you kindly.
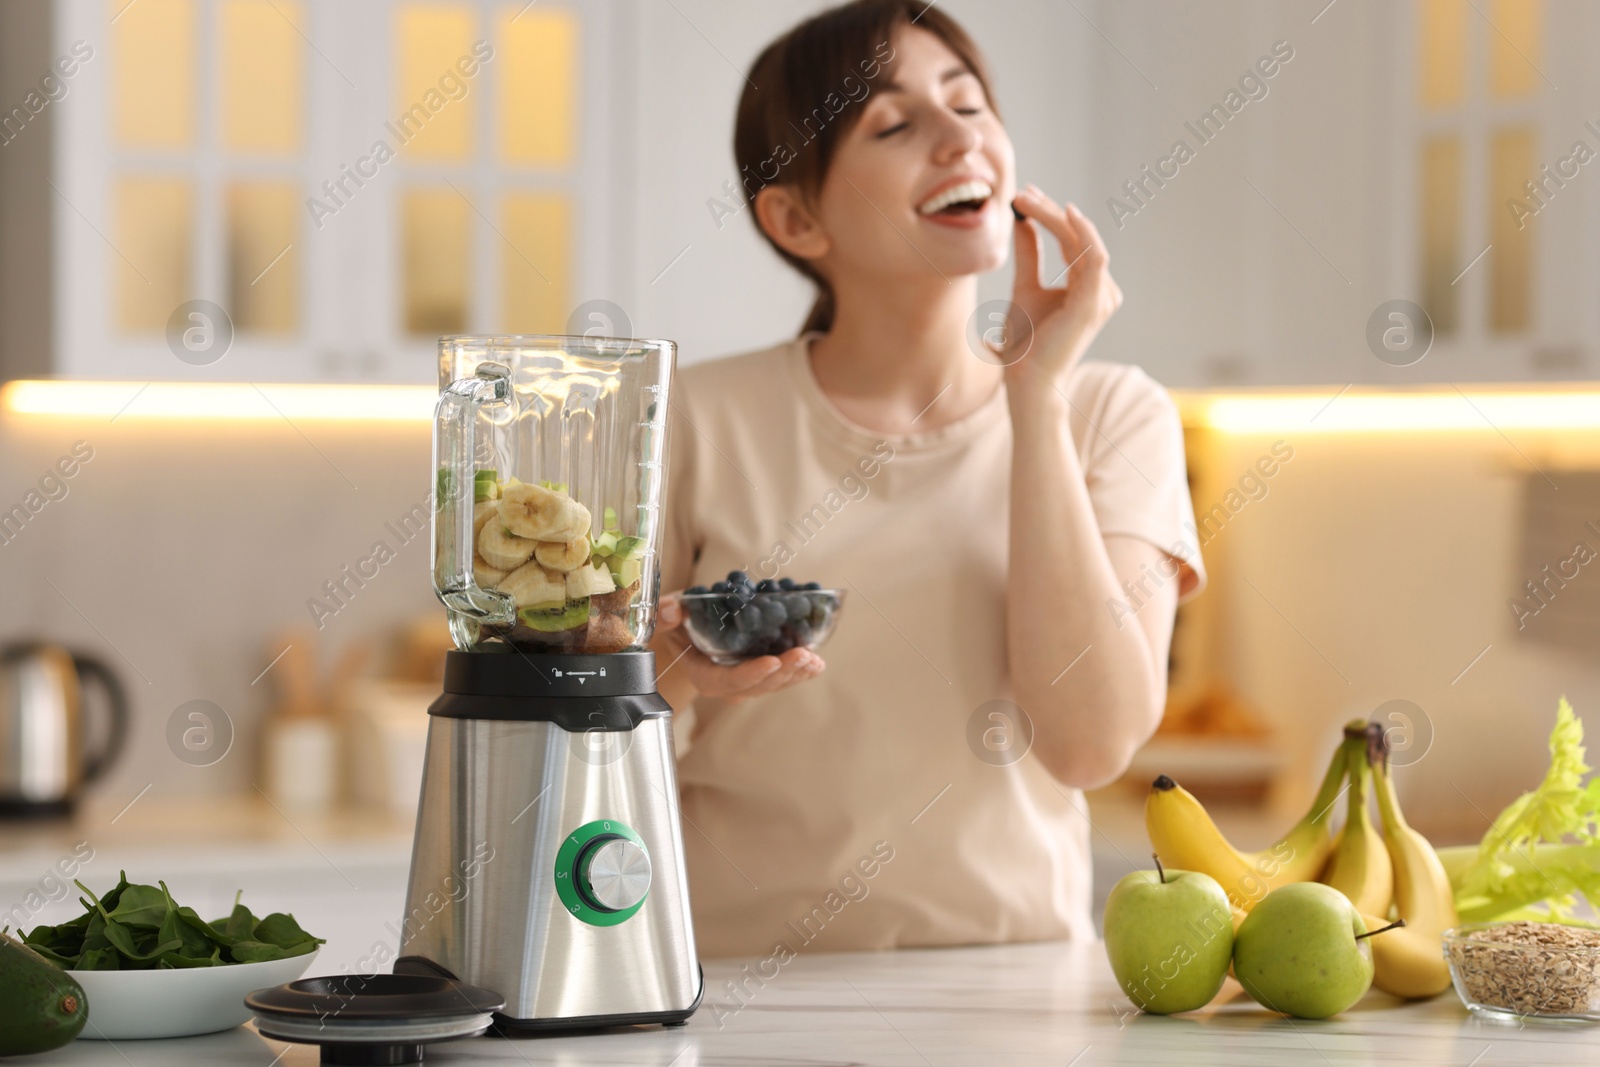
(922, 184)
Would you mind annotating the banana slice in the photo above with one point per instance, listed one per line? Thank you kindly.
(504, 550)
(542, 514)
(563, 555)
(481, 512)
(486, 576)
(589, 581)
(531, 584)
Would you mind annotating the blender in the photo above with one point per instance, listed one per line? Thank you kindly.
(548, 865)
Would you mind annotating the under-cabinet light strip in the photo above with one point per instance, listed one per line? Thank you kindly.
(213, 400)
(1474, 408)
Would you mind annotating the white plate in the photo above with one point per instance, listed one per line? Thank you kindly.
(178, 1003)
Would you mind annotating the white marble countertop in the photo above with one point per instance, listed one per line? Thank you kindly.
(1047, 1003)
(1050, 1003)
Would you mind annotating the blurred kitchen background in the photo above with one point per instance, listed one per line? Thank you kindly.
(1374, 272)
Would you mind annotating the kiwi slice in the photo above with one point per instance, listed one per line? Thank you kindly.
(555, 616)
(485, 485)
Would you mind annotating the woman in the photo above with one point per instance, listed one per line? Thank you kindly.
(1009, 527)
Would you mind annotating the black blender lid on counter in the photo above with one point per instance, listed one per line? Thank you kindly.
(373, 1018)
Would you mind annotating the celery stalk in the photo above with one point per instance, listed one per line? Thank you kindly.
(1544, 848)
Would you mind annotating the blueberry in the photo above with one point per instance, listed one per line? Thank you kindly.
(786, 584)
(747, 621)
(697, 590)
(738, 578)
(731, 605)
(796, 607)
(812, 586)
(773, 614)
(721, 587)
(802, 632)
(766, 585)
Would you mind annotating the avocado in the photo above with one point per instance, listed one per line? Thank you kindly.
(485, 485)
(605, 544)
(41, 1007)
(609, 517)
(555, 616)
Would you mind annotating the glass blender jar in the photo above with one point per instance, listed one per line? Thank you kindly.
(548, 457)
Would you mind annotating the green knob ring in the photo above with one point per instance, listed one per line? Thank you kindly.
(566, 872)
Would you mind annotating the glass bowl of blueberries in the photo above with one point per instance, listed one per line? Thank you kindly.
(739, 619)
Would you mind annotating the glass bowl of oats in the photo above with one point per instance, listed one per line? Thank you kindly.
(1512, 971)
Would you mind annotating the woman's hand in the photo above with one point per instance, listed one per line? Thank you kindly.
(1049, 328)
(740, 682)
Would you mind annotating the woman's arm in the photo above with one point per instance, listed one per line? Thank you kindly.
(1092, 679)
(1088, 669)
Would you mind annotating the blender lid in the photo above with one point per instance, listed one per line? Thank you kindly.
(336, 997)
(373, 1018)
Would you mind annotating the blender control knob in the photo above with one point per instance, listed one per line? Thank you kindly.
(614, 874)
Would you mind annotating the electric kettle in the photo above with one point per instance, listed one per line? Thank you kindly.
(44, 757)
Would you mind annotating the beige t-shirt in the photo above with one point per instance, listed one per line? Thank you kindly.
(854, 811)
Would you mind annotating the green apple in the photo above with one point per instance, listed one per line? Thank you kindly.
(1169, 936)
(1303, 951)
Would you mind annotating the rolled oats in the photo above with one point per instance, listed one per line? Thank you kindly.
(1530, 968)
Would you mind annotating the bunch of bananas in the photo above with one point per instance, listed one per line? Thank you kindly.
(1397, 875)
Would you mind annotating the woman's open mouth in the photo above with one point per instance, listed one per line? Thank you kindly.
(963, 205)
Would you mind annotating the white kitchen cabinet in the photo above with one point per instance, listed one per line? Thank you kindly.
(1261, 260)
(345, 180)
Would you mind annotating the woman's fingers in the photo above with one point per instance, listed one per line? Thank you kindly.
(669, 612)
(1095, 255)
(1029, 253)
(753, 677)
(1055, 219)
(739, 679)
(798, 664)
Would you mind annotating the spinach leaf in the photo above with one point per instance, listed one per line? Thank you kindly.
(180, 960)
(95, 936)
(281, 930)
(238, 926)
(140, 905)
(192, 943)
(203, 928)
(137, 950)
(99, 959)
(256, 952)
(64, 940)
(114, 897)
(62, 961)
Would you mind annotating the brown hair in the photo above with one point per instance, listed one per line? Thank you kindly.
(788, 128)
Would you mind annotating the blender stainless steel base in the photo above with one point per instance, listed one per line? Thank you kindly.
(548, 859)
